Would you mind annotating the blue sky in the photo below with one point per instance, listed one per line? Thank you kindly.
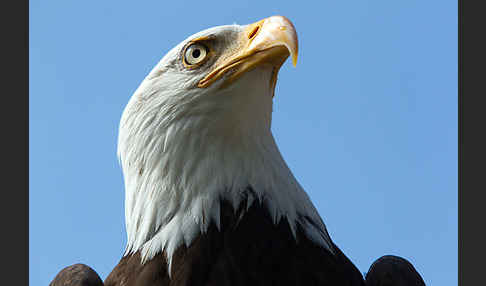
(367, 121)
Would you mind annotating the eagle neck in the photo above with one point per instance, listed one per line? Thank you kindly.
(177, 172)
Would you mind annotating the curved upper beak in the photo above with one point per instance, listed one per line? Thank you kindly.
(269, 41)
(273, 32)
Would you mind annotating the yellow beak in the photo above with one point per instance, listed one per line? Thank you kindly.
(269, 41)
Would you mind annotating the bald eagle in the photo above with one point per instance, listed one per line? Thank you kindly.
(209, 198)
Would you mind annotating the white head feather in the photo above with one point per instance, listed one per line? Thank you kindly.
(184, 148)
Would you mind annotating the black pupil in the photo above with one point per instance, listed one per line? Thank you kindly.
(196, 53)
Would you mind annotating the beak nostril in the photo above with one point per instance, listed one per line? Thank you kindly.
(254, 32)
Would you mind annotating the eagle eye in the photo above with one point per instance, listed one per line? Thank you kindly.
(195, 54)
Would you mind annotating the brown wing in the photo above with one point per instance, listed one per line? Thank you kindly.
(390, 270)
(77, 275)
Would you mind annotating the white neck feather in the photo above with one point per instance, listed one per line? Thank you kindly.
(178, 163)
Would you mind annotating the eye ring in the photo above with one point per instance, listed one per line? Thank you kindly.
(195, 54)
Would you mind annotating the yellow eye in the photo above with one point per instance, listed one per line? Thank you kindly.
(195, 54)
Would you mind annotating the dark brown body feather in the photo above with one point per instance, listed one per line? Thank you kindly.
(249, 250)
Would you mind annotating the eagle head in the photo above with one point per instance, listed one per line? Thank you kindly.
(197, 130)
